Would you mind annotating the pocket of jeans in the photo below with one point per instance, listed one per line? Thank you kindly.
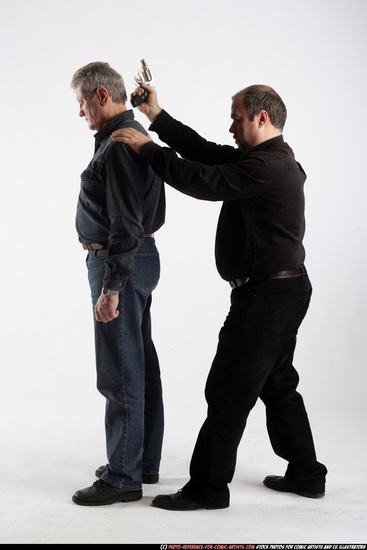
(100, 254)
(284, 316)
(146, 273)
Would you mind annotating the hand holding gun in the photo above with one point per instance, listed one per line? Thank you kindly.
(144, 76)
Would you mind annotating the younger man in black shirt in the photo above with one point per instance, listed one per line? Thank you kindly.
(259, 251)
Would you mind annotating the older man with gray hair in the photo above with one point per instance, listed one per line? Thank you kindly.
(121, 204)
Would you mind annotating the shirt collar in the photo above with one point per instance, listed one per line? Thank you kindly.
(113, 124)
(268, 144)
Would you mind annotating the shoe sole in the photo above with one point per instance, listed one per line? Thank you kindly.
(191, 509)
(129, 497)
(311, 495)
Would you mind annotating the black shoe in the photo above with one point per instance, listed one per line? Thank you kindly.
(102, 493)
(145, 478)
(180, 501)
(279, 483)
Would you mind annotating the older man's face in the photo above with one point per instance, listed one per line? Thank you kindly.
(90, 108)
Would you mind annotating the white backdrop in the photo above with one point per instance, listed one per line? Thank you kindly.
(201, 52)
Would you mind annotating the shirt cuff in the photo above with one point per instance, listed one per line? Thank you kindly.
(160, 118)
(114, 284)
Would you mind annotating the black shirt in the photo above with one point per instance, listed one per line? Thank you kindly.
(261, 223)
(120, 200)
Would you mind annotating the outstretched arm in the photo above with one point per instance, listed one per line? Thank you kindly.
(247, 178)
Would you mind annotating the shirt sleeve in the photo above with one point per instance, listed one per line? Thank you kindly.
(125, 178)
(246, 179)
(189, 144)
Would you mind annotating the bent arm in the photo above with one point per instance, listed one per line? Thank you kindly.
(189, 144)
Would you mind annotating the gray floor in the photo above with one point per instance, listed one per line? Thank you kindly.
(41, 472)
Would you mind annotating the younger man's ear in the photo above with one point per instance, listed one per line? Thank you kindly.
(263, 117)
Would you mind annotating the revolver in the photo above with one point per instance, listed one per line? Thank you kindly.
(143, 75)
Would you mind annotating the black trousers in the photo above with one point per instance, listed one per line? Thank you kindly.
(254, 359)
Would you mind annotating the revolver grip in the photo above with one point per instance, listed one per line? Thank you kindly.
(139, 99)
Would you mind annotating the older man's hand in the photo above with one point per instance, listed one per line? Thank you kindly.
(106, 308)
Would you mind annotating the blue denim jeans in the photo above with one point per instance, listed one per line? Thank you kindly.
(128, 372)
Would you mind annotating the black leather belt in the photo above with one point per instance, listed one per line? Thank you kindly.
(98, 246)
(287, 274)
